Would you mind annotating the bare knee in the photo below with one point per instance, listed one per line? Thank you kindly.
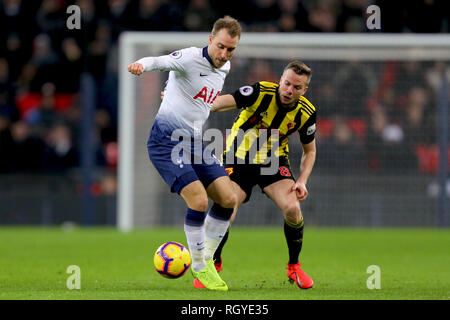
(201, 204)
(228, 200)
(198, 202)
(195, 196)
(292, 213)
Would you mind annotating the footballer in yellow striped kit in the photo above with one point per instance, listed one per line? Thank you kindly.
(267, 105)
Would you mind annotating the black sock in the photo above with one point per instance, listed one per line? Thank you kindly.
(218, 254)
(294, 240)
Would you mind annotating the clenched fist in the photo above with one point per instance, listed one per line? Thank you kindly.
(300, 191)
(136, 68)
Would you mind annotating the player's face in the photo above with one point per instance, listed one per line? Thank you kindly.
(292, 86)
(221, 47)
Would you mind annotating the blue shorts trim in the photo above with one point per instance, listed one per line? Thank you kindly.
(183, 181)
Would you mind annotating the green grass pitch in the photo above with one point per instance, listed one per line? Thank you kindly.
(414, 264)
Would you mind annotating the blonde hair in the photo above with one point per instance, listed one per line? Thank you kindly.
(299, 68)
(232, 25)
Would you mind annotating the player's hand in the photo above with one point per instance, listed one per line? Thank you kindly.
(136, 68)
(162, 95)
(300, 190)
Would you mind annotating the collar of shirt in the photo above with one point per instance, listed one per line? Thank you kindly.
(206, 55)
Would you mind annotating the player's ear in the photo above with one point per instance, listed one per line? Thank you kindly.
(210, 38)
(306, 89)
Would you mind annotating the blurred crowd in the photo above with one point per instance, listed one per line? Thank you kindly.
(380, 117)
(41, 61)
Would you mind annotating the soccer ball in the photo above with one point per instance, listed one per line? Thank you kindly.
(172, 260)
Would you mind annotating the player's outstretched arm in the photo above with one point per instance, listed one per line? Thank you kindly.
(136, 68)
(224, 103)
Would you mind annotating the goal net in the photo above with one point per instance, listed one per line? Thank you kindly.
(381, 140)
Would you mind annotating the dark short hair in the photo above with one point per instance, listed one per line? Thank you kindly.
(232, 25)
(299, 68)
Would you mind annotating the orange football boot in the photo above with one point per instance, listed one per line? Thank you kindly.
(297, 275)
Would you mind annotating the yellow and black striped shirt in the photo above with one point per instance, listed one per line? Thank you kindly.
(262, 109)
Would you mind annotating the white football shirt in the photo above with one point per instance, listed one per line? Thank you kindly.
(193, 85)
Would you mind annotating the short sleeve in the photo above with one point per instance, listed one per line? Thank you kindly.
(308, 130)
(246, 96)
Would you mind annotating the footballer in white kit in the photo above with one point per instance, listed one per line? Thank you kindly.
(193, 85)
(176, 149)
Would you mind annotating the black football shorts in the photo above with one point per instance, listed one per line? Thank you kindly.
(249, 175)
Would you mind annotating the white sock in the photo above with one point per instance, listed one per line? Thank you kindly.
(195, 237)
(215, 229)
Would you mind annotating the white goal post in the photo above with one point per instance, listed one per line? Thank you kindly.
(136, 176)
